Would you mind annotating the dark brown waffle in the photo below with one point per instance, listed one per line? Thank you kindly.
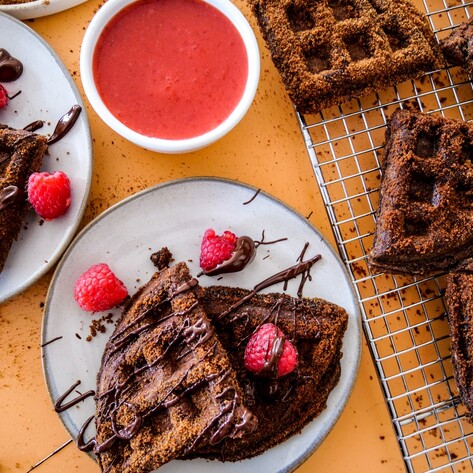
(284, 405)
(458, 47)
(21, 153)
(425, 217)
(330, 51)
(165, 385)
(459, 300)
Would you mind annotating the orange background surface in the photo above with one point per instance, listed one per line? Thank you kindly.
(265, 150)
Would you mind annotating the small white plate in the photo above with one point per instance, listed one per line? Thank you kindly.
(176, 215)
(47, 93)
(38, 8)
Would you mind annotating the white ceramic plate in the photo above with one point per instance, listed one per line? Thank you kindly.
(47, 93)
(38, 8)
(175, 215)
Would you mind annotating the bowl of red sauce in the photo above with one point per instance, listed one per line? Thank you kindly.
(171, 76)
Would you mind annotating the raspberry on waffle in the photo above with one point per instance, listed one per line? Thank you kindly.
(330, 51)
(21, 153)
(424, 221)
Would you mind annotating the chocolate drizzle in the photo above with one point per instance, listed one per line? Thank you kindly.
(301, 268)
(64, 124)
(8, 195)
(60, 407)
(10, 67)
(270, 366)
(50, 341)
(242, 255)
(33, 126)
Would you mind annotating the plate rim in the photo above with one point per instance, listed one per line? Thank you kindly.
(38, 8)
(88, 147)
(312, 447)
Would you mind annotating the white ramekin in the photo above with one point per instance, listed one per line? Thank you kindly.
(94, 30)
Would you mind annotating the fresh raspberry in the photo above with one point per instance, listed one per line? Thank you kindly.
(99, 289)
(215, 249)
(3, 97)
(49, 194)
(259, 356)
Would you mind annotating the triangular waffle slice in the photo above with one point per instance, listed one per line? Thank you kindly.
(165, 385)
(283, 405)
(425, 217)
(330, 51)
(459, 300)
(21, 153)
(458, 47)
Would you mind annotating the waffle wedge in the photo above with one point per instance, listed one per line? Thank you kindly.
(21, 153)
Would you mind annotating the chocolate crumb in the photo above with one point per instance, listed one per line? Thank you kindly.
(162, 258)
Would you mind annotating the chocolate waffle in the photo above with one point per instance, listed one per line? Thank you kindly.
(165, 386)
(459, 300)
(284, 405)
(330, 51)
(458, 47)
(425, 216)
(21, 153)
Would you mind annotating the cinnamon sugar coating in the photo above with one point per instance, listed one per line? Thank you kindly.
(458, 47)
(424, 222)
(21, 153)
(330, 51)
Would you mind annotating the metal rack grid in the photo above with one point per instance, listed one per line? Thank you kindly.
(404, 318)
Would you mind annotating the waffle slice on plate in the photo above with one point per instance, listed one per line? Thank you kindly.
(330, 51)
(283, 405)
(21, 153)
(166, 386)
(173, 381)
(425, 216)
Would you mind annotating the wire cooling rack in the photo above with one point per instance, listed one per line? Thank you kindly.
(404, 318)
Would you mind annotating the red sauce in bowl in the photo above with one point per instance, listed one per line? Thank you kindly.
(170, 69)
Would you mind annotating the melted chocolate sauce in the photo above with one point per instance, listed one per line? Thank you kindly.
(9, 195)
(303, 268)
(10, 67)
(253, 197)
(270, 366)
(60, 407)
(33, 126)
(64, 124)
(242, 255)
(201, 331)
(228, 427)
(50, 341)
(92, 443)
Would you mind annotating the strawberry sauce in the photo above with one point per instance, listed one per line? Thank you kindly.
(171, 69)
